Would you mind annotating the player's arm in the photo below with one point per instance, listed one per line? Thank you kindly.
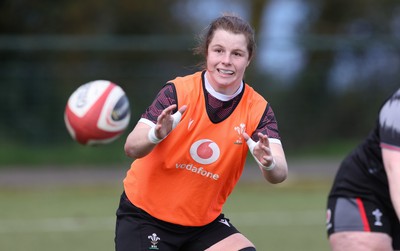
(389, 133)
(270, 157)
(391, 161)
(268, 151)
(137, 145)
(145, 137)
(280, 172)
(156, 123)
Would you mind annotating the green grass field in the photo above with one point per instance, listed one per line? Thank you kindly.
(283, 217)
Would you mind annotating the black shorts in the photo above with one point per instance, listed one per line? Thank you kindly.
(356, 214)
(137, 230)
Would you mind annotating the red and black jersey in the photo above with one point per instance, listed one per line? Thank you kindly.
(362, 173)
(217, 110)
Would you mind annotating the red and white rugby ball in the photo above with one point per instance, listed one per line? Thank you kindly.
(97, 112)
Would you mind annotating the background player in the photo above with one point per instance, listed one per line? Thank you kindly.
(364, 202)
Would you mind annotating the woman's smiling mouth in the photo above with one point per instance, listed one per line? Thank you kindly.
(225, 71)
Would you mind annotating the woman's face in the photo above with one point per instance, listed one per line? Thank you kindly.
(227, 60)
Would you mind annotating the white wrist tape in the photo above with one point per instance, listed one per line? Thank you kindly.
(251, 144)
(270, 167)
(152, 134)
(177, 118)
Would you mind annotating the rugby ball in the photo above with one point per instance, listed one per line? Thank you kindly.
(97, 112)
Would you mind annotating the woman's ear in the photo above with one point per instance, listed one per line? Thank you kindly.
(248, 62)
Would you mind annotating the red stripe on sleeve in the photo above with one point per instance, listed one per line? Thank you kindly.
(363, 215)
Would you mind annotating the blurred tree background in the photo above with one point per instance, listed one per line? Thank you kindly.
(325, 66)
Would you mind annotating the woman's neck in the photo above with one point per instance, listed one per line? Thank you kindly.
(219, 95)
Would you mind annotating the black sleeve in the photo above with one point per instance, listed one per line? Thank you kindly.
(165, 97)
(268, 125)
